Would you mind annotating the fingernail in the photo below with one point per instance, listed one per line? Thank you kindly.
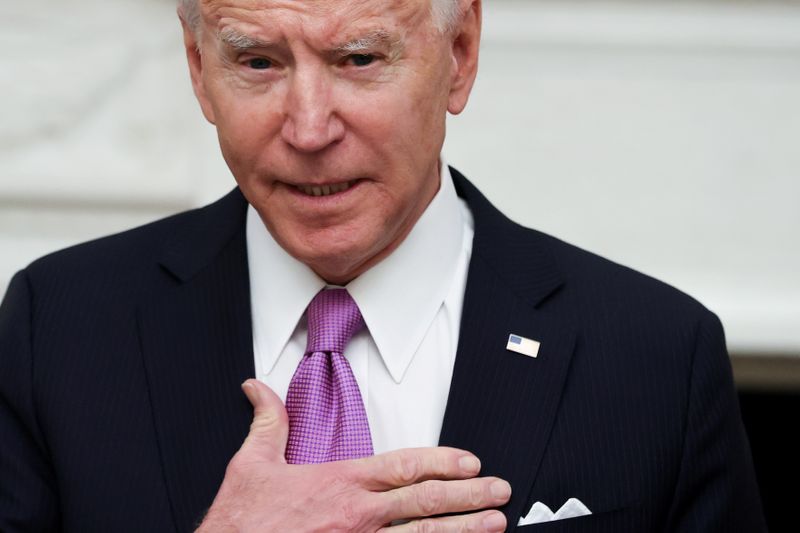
(500, 489)
(248, 389)
(470, 464)
(494, 522)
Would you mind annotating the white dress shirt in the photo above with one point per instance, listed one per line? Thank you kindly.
(411, 302)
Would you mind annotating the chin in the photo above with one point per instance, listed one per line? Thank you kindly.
(337, 265)
(338, 252)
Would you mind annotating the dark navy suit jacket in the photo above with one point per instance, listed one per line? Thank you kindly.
(121, 362)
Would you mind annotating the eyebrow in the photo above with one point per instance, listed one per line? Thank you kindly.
(370, 41)
(240, 41)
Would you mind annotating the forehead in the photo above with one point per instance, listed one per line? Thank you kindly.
(315, 17)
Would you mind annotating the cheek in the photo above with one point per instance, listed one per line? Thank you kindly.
(421, 109)
(245, 127)
(242, 112)
(400, 123)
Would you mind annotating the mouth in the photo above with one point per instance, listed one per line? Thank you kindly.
(325, 190)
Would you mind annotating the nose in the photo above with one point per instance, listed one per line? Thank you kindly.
(311, 123)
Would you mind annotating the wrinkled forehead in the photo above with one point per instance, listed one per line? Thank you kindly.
(316, 14)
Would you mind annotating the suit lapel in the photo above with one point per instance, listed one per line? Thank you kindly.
(196, 338)
(197, 348)
(502, 405)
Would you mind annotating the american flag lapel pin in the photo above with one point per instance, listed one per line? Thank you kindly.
(519, 344)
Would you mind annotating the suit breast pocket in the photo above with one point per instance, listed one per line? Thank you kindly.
(625, 520)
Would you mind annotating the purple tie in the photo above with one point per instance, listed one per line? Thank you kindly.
(327, 420)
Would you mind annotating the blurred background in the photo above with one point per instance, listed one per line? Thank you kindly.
(664, 135)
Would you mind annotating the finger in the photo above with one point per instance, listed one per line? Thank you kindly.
(485, 521)
(270, 428)
(412, 465)
(437, 497)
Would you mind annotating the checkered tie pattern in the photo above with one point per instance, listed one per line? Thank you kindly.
(327, 419)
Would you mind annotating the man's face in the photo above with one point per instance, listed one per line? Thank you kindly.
(331, 116)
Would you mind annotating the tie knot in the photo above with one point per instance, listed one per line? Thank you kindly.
(333, 319)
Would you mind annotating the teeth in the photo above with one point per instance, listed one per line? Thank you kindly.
(325, 190)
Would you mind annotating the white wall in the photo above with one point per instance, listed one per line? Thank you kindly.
(663, 135)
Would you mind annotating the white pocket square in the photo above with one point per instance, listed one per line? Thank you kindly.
(541, 513)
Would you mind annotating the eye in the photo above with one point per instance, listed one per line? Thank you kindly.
(259, 63)
(361, 60)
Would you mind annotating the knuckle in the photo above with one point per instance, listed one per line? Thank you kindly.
(470, 524)
(237, 466)
(406, 467)
(425, 526)
(265, 421)
(439, 464)
(477, 495)
(336, 473)
(351, 516)
(431, 497)
(355, 513)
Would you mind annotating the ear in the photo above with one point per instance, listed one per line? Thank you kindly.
(195, 59)
(466, 44)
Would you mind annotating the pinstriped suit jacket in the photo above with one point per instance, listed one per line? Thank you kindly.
(121, 359)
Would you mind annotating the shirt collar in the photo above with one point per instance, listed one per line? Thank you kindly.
(398, 297)
(281, 288)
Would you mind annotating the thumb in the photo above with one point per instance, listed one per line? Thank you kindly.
(270, 428)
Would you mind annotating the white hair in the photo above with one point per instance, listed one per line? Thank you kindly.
(445, 14)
